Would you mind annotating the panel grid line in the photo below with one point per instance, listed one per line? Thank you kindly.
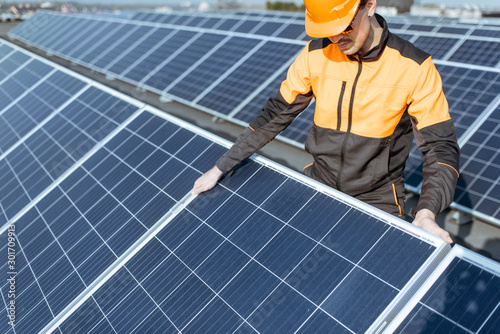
(42, 123)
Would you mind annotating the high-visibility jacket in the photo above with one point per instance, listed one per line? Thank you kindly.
(369, 107)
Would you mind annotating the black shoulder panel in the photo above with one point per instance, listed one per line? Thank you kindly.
(317, 44)
(407, 49)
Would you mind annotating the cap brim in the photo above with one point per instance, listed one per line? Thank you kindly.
(328, 29)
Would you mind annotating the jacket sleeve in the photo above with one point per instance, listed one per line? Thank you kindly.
(280, 110)
(435, 138)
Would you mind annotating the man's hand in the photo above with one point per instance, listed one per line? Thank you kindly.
(427, 220)
(207, 181)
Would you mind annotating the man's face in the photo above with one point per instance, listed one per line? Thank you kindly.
(352, 42)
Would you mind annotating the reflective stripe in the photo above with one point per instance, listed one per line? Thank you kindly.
(303, 169)
(440, 163)
(396, 198)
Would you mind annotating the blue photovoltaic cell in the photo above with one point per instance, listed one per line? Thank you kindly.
(136, 53)
(292, 31)
(162, 52)
(11, 64)
(452, 30)
(464, 299)
(393, 25)
(122, 47)
(247, 26)
(72, 235)
(105, 42)
(227, 24)
(184, 60)
(248, 76)
(437, 47)
(469, 92)
(405, 36)
(194, 21)
(57, 145)
(212, 68)
(477, 52)
(486, 33)
(420, 27)
(268, 29)
(5, 50)
(34, 107)
(245, 257)
(479, 183)
(210, 23)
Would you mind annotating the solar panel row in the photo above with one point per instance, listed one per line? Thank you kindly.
(231, 76)
(118, 244)
(457, 43)
(457, 298)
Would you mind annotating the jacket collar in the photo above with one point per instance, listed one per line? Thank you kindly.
(376, 52)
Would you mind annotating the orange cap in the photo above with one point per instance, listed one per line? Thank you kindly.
(329, 18)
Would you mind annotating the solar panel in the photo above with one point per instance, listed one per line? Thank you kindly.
(452, 30)
(437, 47)
(479, 184)
(420, 27)
(477, 52)
(486, 33)
(96, 213)
(469, 92)
(462, 296)
(207, 267)
(118, 243)
(292, 31)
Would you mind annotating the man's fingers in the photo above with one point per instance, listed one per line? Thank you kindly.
(207, 181)
(426, 220)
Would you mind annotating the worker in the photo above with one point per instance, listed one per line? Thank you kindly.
(374, 93)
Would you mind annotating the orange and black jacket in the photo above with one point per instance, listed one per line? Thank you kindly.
(368, 109)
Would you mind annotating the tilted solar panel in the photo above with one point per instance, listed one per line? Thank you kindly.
(479, 184)
(462, 296)
(119, 244)
(470, 93)
(242, 257)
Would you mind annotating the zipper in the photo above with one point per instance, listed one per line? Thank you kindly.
(349, 125)
(339, 106)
